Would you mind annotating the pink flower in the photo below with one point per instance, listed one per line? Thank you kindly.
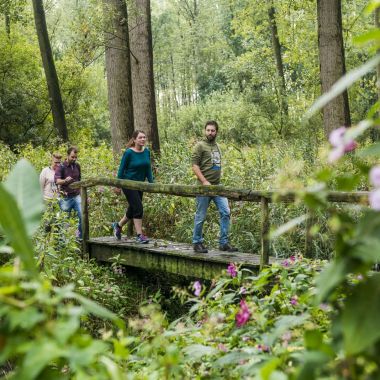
(374, 176)
(335, 154)
(285, 263)
(242, 290)
(222, 347)
(374, 199)
(262, 348)
(101, 189)
(336, 137)
(232, 270)
(294, 300)
(243, 314)
(292, 259)
(197, 286)
(341, 143)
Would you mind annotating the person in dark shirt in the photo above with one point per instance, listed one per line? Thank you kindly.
(136, 166)
(65, 174)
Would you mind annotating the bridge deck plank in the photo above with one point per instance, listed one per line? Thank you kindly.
(170, 256)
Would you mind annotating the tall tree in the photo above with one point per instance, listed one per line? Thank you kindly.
(118, 68)
(55, 97)
(144, 98)
(332, 62)
(279, 64)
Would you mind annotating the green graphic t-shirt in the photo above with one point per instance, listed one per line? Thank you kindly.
(207, 156)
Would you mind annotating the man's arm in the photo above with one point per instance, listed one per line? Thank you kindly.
(200, 176)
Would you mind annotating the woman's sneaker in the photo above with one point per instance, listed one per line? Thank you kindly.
(142, 239)
(116, 230)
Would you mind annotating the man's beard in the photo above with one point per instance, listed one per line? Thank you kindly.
(211, 138)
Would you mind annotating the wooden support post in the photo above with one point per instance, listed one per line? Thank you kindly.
(85, 222)
(308, 235)
(265, 225)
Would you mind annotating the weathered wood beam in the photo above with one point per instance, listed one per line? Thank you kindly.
(265, 226)
(85, 221)
(228, 192)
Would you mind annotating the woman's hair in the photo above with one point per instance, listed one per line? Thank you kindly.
(135, 133)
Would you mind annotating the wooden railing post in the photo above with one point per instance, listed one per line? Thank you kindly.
(265, 225)
(308, 235)
(85, 222)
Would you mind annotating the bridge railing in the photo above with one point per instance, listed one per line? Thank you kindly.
(257, 196)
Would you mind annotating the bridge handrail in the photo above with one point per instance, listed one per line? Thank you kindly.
(262, 196)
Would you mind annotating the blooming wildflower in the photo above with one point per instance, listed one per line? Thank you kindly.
(292, 259)
(374, 199)
(101, 189)
(242, 290)
(262, 348)
(285, 263)
(243, 314)
(197, 286)
(222, 347)
(340, 143)
(374, 176)
(232, 270)
(359, 277)
(336, 137)
(294, 300)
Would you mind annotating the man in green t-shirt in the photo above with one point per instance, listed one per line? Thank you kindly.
(207, 166)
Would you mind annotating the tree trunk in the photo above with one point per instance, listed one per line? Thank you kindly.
(7, 18)
(55, 97)
(144, 97)
(332, 62)
(118, 68)
(279, 65)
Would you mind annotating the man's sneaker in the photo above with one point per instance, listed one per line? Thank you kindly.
(142, 239)
(199, 248)
(228, 248)
(116, 230)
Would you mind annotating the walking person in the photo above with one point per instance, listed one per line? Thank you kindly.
(47, 178)
(207, 167)
(136, 166)
(65, 174)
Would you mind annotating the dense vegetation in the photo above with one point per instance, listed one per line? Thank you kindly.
(64, 317)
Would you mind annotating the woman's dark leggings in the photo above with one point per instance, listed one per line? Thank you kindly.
(135, 209)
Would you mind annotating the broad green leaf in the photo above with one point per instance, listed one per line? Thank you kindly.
(373, 4)
(269, 367)
(360, 317)
(14, 228)
(100, 311)
(372, 150)
(114, 371)
(342, 84)
(24, 185)
(232, 358)
(36, 360)
(196, 351)
(313, 339)
(312, 361)
(367, 251)
(365, 38)
(288, 226)
(331, 277)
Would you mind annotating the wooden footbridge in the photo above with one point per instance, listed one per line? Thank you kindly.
(179, 258)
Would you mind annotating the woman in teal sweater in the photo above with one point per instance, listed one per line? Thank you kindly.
(136, 166)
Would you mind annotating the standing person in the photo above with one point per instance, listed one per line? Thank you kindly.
(47, 180)
(65, 174)
(136, 166)
(207, 166)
